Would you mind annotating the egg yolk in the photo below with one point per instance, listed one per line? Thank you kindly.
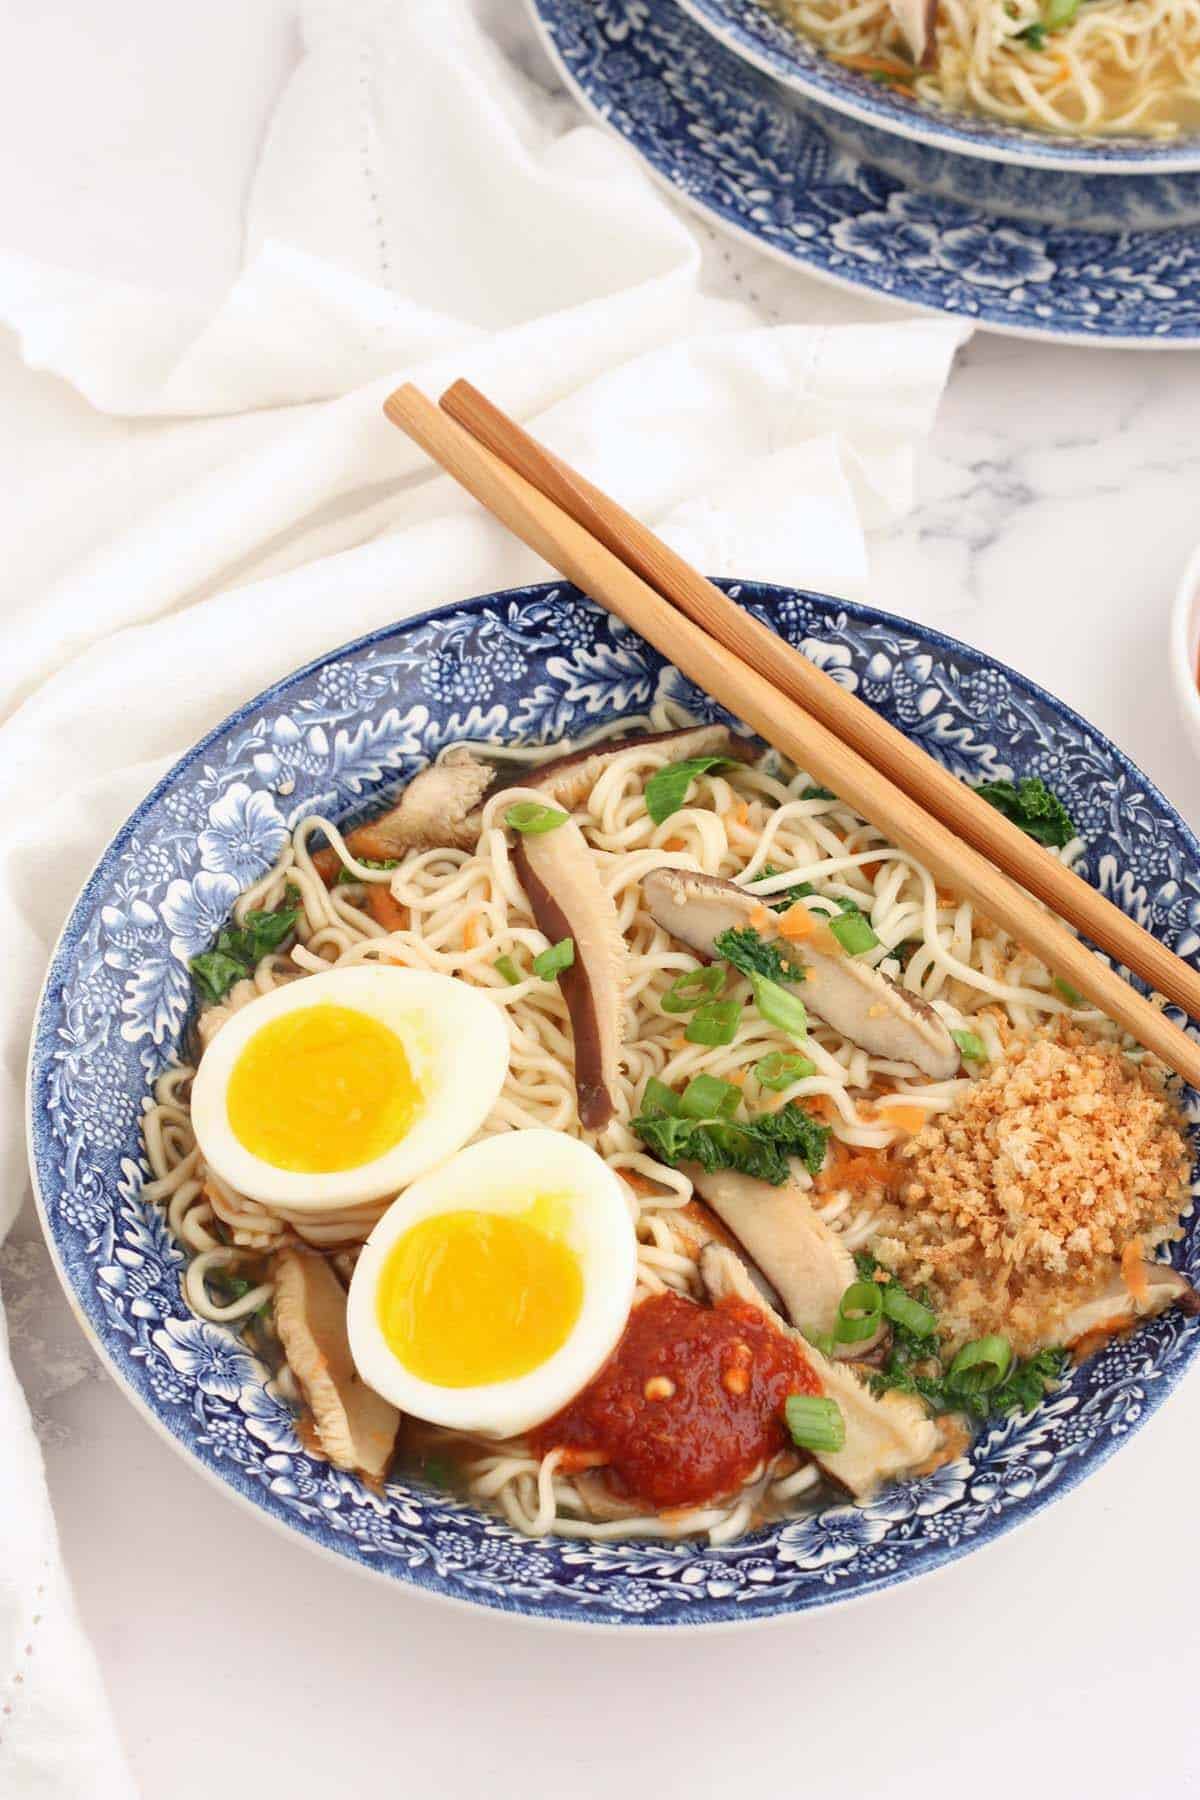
(470, 1298)
(322, 1089)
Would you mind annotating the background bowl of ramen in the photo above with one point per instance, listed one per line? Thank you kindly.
(1115, 183)
(530, 665)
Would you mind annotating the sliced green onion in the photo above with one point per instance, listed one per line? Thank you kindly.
(550, 963)
(781, 1068)
(533, 820)
(859, 1312)
(815, 1422)
(714, 1023)
(1071, 995)
(971, 1045)
(693, 986)
(778, 1007)
(659, 1101)
(980, 1365)
(1058, 13)
(853, 932)
(822, 1341)
(818, 793)
(706, 1097)
(504, 965)
(902, 1309)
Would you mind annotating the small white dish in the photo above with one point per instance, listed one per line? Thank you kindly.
(1185, 649)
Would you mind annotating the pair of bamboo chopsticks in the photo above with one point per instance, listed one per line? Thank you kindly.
(965, 843)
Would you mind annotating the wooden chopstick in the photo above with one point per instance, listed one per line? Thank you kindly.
(848, 717)
(568, 546)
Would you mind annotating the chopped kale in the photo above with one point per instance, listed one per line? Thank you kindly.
(239, 949)
(666, 790)
(759, 1145)
(1033, 806)
(751, 954)
(919, 1365)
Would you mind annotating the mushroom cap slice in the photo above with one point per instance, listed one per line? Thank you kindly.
(438, 808)
(356, 1426)
(568, 899)
(917, 20)
(559, 875)
(886, 1435)
(806, 1263)
(866, 1006)
(698, 1225)
(568, 780)
(1117, 1304)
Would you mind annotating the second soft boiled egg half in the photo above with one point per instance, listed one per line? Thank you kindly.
(492, 1290)
(341, 1087)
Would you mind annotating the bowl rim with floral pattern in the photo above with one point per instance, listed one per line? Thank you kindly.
(530, 664)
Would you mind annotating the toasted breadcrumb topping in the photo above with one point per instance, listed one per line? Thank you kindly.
(1021, 1199)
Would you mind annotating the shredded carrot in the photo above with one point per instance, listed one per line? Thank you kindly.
(870, 64)
(759, 916)
(365, 841)
(820, 1105)
(679, 1043)
(797, 922)
(327, 863)
(741, 813)
(737, 1077)
(384, 910)
(945, 897)
(675, 843)
(871, 870)
(1133, 1271)
(903, 1118)
(471, 932)
(854, 1169)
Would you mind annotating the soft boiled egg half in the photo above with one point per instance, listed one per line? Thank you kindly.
(492, 1290)
(340, 1088)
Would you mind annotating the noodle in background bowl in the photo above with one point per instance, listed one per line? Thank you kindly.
(1116, 182)
(530, 665)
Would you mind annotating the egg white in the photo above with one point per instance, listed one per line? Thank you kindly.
(503, 1175)
(456, 1042)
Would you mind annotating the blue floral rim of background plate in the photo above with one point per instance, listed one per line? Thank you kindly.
(730, 142)
(749, 29)
(532, 665)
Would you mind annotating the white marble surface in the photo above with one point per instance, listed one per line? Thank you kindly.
(1058, 501)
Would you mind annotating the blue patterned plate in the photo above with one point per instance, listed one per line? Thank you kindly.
(529, 665)
(731, 143)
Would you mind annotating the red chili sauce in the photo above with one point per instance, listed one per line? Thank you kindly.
(688, 1404)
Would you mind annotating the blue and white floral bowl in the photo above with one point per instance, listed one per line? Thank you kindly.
(530, 665)
(753, 32)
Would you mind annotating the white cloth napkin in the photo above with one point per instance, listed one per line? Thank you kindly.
(421, 211)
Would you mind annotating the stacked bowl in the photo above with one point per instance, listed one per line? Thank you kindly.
(1104, 184)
